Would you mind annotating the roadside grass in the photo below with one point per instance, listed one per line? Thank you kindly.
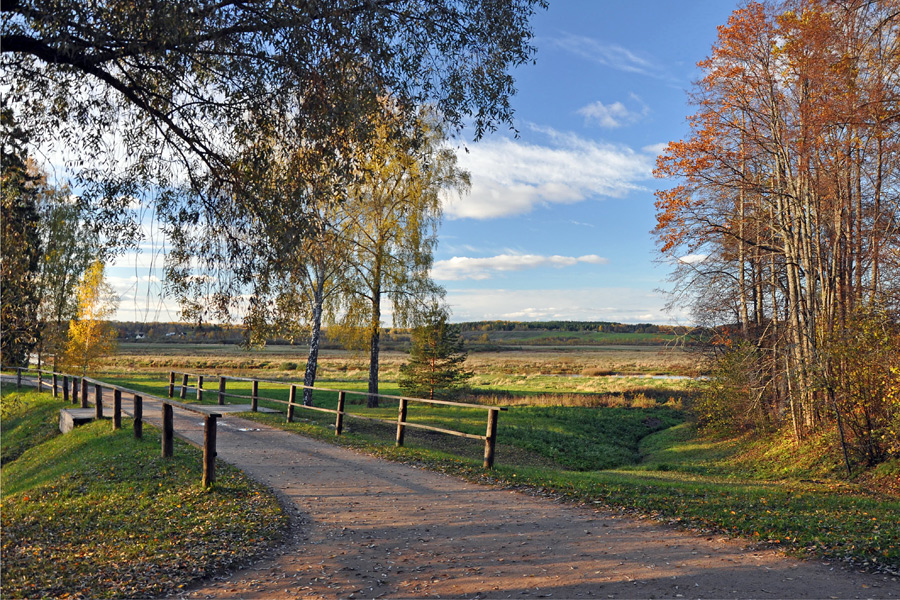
(27, 420)
(97, 514)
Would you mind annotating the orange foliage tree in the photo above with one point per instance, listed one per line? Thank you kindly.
(783, 219)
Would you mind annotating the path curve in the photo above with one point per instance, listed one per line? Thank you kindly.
(369, 528)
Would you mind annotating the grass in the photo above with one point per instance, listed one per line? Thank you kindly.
(97, 514)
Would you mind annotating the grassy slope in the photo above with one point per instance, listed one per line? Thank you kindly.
(96, 513)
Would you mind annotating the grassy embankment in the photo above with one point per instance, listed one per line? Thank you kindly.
(637, 453)
(97, 514)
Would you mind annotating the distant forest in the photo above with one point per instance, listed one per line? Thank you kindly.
(482, 335)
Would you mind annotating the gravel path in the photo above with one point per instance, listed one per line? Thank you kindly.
(367, 528)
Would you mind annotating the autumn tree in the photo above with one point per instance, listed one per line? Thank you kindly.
(435, 366)
(91, 337)
(393, 212)
(782, 224)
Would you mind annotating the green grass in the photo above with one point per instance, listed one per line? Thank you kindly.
(96, 513)
(651, 462)
(27, 420)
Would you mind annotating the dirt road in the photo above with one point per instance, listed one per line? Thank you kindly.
(367, 528)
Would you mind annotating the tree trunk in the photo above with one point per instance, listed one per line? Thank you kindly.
(312, 361)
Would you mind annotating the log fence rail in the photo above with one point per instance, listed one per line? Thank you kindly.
(402, 422)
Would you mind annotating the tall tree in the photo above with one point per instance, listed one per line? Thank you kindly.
(786, 203)
(91, 336)
(393, 213)
(435, 366)
(21, 249)
(179, 84)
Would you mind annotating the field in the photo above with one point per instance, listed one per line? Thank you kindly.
(606, 425)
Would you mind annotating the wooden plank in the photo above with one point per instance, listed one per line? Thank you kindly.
(117, 409)
(471, 436)
(401, 419)
(339, 420)
(138, 417)
(168, 444)
(209, 451)
(490, 440)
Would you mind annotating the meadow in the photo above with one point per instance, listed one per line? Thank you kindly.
(607, 426)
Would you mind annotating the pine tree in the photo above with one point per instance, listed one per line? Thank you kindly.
(435, 367)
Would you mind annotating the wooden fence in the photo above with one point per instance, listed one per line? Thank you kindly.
(490, 436)
(63, 383)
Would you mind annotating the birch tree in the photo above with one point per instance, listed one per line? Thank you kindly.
(393, 213)
(91, 337)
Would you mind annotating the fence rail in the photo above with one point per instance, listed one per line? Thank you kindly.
(402, 423)
(168, 430)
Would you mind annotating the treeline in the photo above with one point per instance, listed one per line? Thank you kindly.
(786, 220)
(573, 326)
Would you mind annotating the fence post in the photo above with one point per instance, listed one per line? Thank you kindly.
(168, 443)
(138, 417)
(117, 409)
(254, 396)
(199, 388)
(55, 388)
(74, 390)
(209, 451)
(18, 377)
(98, 401)
(401, 419)
(292, 397)
(490, 439)
(84, 388)
(65, 388)
(184, 381)
(221, 390)
(171, 384)
(40, 381)
(339, 421)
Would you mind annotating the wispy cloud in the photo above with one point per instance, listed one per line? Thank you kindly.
(462, 267)
(607, 54)
(620, 304)
(511, 177)
(616, 114)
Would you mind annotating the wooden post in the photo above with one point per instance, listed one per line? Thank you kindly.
(55, 388)
(74, 390)
(117, 409)
(138, 417)
(171, 384)
(254, 396)
(401, 419)
(339, 421)
(209, 451)
(84, 387)
(98, 401)
(490, 439)
(292, 397)
(40, 381)
(168, 442)
(221, 391)
(184, 382)
(18, 377)
(65, 388)
(199, 388)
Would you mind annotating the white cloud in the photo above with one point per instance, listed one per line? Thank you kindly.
(614, 115)
(620, 304)
(692, 259)
(512, 177)
(461, 267)
(608, 55)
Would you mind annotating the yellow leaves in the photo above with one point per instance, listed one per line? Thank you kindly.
(90, 336)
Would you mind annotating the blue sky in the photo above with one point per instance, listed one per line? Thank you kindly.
(557, 224)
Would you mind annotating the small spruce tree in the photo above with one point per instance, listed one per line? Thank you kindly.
(435, 367)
